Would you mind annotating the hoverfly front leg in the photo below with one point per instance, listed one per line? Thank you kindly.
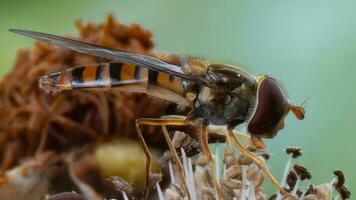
(148, 158)
(260, 163)
(221, 129)
(163, 122)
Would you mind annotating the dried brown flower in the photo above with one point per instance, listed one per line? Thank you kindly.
(229, 157)
(295, 152)
(166, 158)
(174, 192)
(234, 172)
(340, 179)
(311, 190)
(272, 197)
(190, 145)
(291, 179)
(121, 184)
(33, 120)
(344, 192)
(266, 156)
(302, 172)
(244, 160)
(339, 185)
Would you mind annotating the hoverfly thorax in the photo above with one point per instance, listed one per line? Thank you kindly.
(228, 78)
(230, 101)
(272, 106)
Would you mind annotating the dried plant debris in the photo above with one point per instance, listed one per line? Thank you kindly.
(85, 141)
(302, 172)
(340, 179)
(292, 179)
(339, 185)
(123, 186)
(241, 178)
(295, 152)
(34, 122)
(190, 145)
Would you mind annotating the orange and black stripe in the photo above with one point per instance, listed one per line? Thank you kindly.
(91, 76)
(170, 82)
(119, 74)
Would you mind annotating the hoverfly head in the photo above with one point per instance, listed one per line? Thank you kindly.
(272, 105)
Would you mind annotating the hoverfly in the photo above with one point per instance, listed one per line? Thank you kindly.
(217, 94)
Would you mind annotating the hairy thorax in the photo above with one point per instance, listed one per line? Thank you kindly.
(222, 108)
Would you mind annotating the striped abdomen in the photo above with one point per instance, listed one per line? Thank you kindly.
(128, 77)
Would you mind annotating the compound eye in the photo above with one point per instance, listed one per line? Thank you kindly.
(271, 107)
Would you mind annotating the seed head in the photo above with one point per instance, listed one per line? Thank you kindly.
(344, 192)
(121, 184)
(340, 179)
(302, 172)
(291, 179)
(311, 190)
(295, 152)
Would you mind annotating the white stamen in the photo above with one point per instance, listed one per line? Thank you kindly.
(124, 195)
(171, 172)
(191, 179)
(245, 183)
(224, 170)
(186, 172)
(236, 192)
(333, 181)
(217, 164)
(252, 194)
(295, 189)
(284, 177)
(247, 191)
(303, 195)
(159, 191)
(185, 162)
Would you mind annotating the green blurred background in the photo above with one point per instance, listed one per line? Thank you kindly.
(309, 45)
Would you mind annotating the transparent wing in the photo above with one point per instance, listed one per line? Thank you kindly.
(114, 54)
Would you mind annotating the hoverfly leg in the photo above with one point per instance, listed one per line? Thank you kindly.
(258, 143)
(148, 158)
(207, 152)
(163, 122)
(260, 163)
(222, 130)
